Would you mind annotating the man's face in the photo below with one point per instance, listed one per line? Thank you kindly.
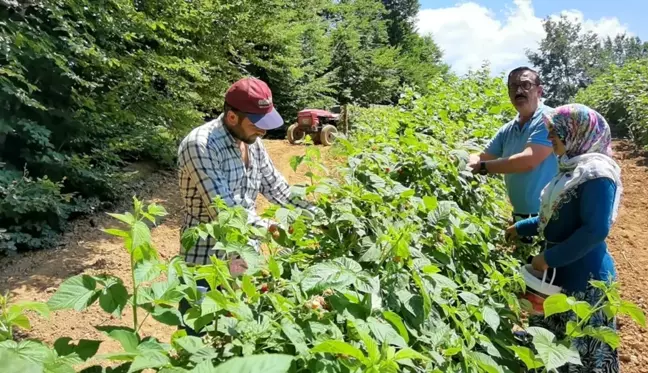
(524, 93)
(242, 128)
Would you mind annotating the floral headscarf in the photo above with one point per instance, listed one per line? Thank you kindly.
(582, 129)
(588, 152)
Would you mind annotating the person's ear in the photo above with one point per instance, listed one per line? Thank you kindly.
(540, 91)
(232, 117)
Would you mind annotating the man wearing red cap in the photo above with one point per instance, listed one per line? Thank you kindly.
(225, 157)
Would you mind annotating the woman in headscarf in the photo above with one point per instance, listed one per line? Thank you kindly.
(577, 210)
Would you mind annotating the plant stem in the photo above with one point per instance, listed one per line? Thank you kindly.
(132, 258)
(143, 321)
(595, 309)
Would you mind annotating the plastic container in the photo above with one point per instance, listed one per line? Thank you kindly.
(538, 289)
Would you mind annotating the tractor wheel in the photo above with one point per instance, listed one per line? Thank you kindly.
(328, 134)
(295, 134)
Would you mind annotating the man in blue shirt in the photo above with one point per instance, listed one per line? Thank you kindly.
(521, 149)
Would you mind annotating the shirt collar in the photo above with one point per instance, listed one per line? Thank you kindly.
(537, 113)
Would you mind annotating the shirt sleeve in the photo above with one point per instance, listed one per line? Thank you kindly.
(539, 135)
(527, 227)
(203, 165)
(495, 146)
(595, 227)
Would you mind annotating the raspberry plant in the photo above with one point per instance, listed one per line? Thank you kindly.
(402, 268)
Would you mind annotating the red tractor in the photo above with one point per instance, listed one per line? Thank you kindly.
(320, 124)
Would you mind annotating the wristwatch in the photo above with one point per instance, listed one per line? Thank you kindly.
(482, 168)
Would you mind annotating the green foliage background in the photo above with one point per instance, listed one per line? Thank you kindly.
(621, 96)
(88, 86)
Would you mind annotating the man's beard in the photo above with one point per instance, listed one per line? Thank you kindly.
(236, 133)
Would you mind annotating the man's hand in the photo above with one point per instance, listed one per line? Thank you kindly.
(539, 263)
(274, 230)
(475, 159)
(237, 267)
(511, 233)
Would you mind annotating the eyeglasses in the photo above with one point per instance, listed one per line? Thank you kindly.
(526, 85)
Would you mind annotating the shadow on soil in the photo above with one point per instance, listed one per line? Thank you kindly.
(84, 247)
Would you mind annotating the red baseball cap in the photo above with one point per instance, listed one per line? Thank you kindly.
(253, 97)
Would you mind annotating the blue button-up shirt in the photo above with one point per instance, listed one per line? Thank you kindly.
(524, 188)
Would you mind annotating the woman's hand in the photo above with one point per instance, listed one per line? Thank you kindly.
(511, 233)
(539, 263)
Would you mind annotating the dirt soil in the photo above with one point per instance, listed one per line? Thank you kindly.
(85, 249)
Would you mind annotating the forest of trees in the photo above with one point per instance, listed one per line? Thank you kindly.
(87, 87)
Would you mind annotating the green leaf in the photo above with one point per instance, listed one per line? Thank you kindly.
(327, 275)
(167, 315)
(443, 282)
(552, 355)
(189, 238)
(528, 358)
(21, 321)
(146, 271)
(23, 357)
(248, 287)
(268, 363)
(128, 339)
(190, 344)
(408, 353)
(636, 313)
(582, 309)
(604, 334)
(486, 362)
(274, 268)
(469, 298)
(113, 299)
(430, 202)
(295, 161)
(40, 307)
(140, 234)
(213, 302)
(339, 347)
(397, 323)
(85, 348)
(491, 317)
(116, 232)
(241, 311)
(156, 210)
(295, 335)
(430, 269)
(385, 333)
(556, 303)
(127, 218)
(149, 359)
(76, 293)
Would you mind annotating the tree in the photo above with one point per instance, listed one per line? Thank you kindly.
(569, 59)
(400, 19)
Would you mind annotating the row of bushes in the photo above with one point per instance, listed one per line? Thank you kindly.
(621, 96)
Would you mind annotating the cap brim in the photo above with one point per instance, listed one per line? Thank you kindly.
(268, 121)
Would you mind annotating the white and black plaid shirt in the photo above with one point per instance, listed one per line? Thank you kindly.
(210, 165)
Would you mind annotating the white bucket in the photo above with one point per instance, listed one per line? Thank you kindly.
(539, 288)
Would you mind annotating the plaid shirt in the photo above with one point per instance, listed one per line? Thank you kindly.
(210, 165)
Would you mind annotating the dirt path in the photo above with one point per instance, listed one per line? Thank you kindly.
(85, 249)
(629, 246)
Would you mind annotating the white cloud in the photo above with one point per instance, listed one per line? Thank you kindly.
(469, 33)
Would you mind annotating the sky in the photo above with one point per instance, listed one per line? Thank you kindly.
(500, 31)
